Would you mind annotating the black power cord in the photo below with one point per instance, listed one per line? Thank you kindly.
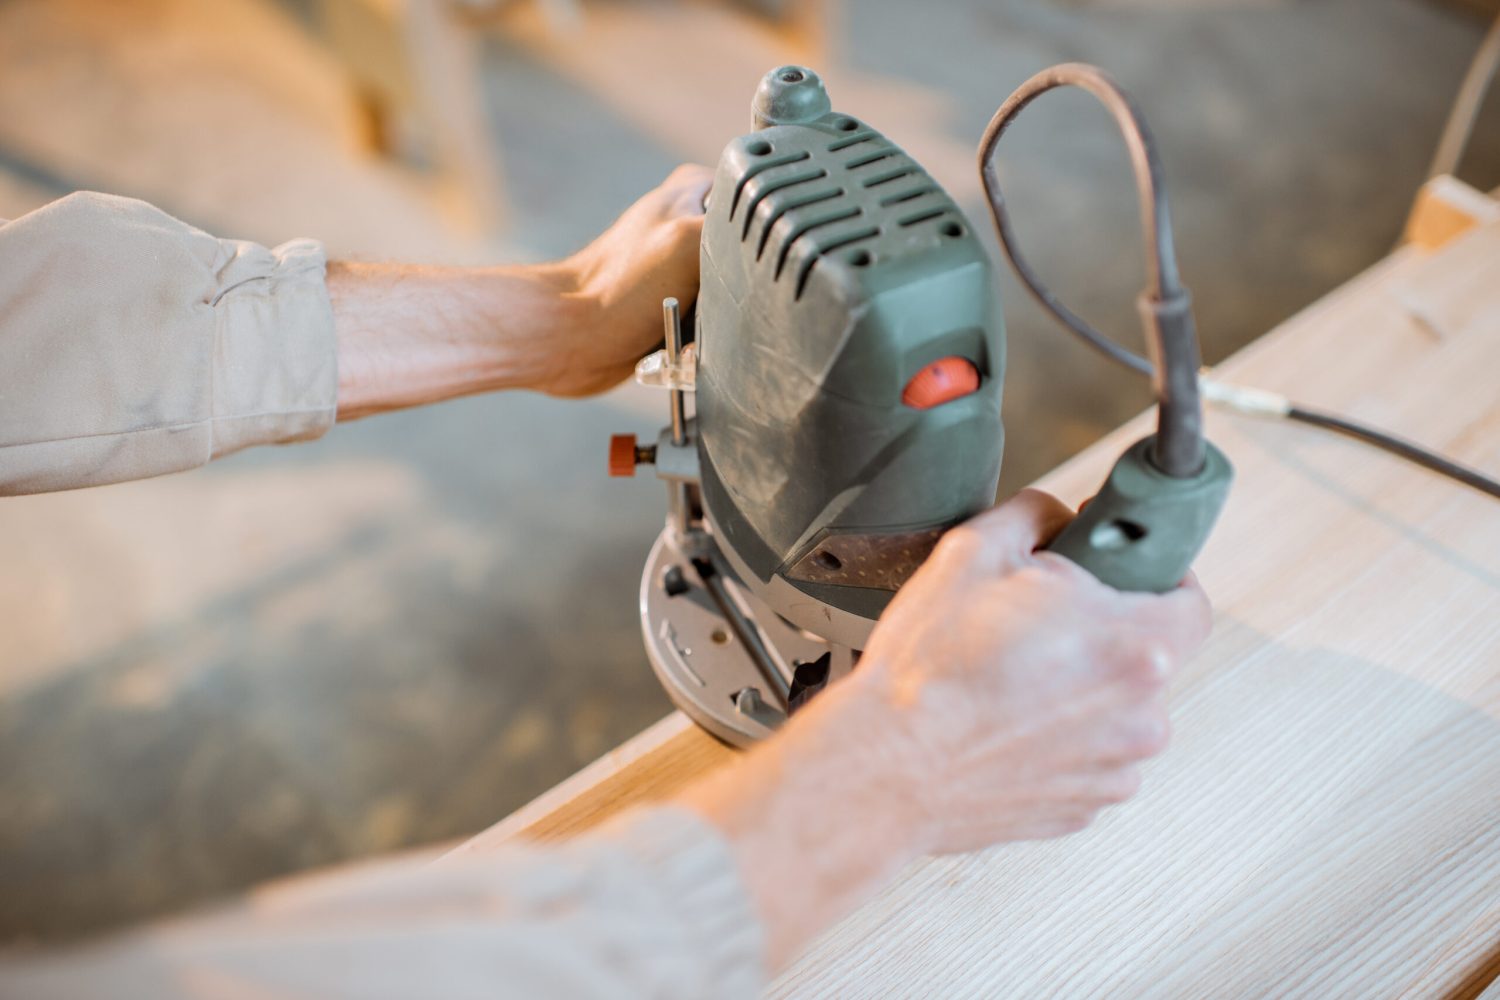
(1165, 304)
(1397, 446)
(1166, 308)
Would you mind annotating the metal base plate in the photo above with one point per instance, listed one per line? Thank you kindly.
(698, 652)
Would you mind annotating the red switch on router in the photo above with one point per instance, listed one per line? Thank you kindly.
(943, 381)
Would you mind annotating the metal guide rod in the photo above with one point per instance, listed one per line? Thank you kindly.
(679, 503)
(672, 322)
(745, 631)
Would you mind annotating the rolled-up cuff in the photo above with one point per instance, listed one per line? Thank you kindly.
(275, 369)
(133, 345)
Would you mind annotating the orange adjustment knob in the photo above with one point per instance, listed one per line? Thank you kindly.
(943, 381)
(622, 454)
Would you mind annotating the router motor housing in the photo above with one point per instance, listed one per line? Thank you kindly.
(850, 355)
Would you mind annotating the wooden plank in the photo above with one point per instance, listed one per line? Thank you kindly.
(1475, 948)
(651, 767)
(1325, 821)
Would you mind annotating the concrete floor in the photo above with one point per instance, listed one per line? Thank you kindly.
(400, 633)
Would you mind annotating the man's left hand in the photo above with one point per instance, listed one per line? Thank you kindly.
(650, 252)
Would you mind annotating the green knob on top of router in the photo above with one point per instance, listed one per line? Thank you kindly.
(789, 95)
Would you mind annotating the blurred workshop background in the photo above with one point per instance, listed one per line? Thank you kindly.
(398, 634)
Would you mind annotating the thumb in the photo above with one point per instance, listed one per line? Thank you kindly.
(1018, 527)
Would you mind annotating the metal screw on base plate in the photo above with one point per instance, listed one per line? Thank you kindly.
(747, 702)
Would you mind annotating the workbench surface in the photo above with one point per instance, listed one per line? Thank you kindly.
(1327, 820)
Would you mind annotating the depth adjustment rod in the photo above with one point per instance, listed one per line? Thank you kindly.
(674, 369)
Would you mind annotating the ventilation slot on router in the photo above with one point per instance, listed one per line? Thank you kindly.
(905, 196)
(921, 217)
(890, 175)
(789, 205)
(773, 186)
(853, 140)
(874, 156)
(805, 229)
(759, 167)
(805, 272)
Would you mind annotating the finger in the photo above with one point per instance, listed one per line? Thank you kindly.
(1180, 619)
(1012, 531)
(1119, 784)
(1037, 517)
(690, 173)
(1116, 711)
(688, 188)
(1124, 737)
(1095, 788)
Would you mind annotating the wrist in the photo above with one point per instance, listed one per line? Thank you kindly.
(841, 758)
(535, 327)
(883, 739)
(818, 817)
(572, 352)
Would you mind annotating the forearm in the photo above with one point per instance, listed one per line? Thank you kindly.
(648, 907)
(816, 818)
(411, 335)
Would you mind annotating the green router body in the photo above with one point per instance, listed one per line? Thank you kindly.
(834, 270)
(846, 374)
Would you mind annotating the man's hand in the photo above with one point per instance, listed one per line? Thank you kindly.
(409, 335)
(650, 252)
(1005, 695)
(1018, 692)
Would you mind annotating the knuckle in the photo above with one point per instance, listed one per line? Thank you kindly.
(1145, 665)
(687, 172)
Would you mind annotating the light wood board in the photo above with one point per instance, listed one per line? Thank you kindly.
(1327, 821)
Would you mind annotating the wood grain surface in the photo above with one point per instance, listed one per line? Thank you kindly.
(1327, 821)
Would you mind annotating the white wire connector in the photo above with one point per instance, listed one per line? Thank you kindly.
(1244, 398)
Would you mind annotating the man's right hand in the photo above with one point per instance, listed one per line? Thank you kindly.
(1021, 691)
(1005, 695)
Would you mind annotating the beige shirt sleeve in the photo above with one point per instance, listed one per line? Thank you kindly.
(649, 907)
(132, 345)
